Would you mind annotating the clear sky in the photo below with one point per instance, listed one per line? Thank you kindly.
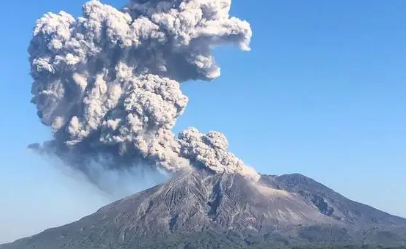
(321, 93)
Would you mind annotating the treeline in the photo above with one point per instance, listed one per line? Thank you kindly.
(216, 241)
(229, 246)
(345, 247)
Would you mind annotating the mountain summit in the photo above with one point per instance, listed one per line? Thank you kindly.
(201, 208)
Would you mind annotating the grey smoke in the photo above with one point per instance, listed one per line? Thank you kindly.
(108, 83)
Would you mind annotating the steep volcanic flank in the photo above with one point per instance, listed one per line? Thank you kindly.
(331, 203)
(198, 203)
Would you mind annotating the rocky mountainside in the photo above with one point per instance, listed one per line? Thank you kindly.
(201, 209)
(331, 203)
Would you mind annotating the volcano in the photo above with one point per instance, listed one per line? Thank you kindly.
(202, 209)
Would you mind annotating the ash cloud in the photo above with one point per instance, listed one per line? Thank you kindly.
(108, 83)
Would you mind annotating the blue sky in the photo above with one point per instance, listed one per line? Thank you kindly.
(321, 93)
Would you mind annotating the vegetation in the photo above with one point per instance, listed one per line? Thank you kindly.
(206, 240)
(230, 241)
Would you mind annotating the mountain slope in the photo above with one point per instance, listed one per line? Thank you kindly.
(203, 205)
(332, 203)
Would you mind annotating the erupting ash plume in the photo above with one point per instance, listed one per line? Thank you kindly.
(107, 83)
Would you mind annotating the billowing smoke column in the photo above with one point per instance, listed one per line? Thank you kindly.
(107, 83)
